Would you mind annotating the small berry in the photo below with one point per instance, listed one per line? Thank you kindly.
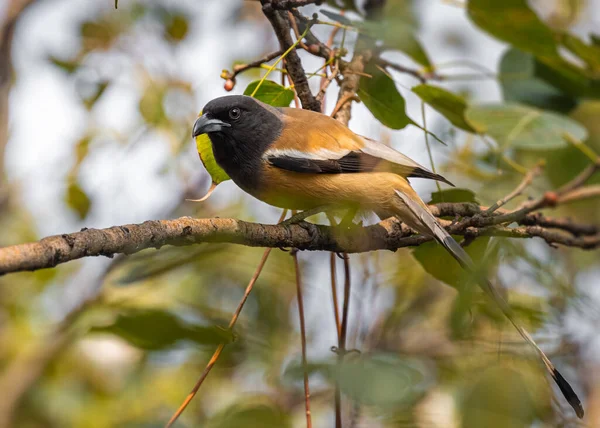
(229, 84)
(551, 198)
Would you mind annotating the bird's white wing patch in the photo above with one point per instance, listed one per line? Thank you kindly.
(322, 154)
(375, 148)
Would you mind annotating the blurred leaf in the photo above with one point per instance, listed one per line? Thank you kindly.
(568, 77)
(90, 101)
(155, 264)
(82, 148)
(515, 125)
(453, 195)
(448, 104)
(587, 113)
(564, 164)
(271, 93)
(99, 34)
(155, 329)
(176, 27)
(69, 66)
(436, 261)
(380, 96)
(251, 414)
(151, 105)
(399, 36)
(514, 22)
(78, 200)
(383, 379)
(500, 398)
(521, 84)
(590, 54)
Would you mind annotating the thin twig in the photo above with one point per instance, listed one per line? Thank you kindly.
(219, 350)
(580, 179)
(334, 298)
(427, 145)
(343, 101)
(342, 338)
(299, 36)
(303, 338)
(529, 177)
(579, 194)
(422, 77)
(325, 84)
(240, 68)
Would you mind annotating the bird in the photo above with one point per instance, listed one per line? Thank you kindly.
(303, 160)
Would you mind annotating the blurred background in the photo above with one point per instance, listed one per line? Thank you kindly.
(96, 110)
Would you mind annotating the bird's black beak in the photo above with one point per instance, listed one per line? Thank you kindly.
(205, 124)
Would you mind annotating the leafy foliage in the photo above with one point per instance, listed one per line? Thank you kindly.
(378, 92)
(513, 125)
(450, 105)
(271, 93)
(156, 329)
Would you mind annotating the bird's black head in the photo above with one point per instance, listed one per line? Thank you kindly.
(240, 129)
(237, 117)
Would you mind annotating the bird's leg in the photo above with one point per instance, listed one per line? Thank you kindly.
(303, 215)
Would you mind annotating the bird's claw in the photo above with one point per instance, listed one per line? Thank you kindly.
(310, 228)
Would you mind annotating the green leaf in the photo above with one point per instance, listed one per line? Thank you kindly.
(176, 27)
(515, 125)
(78, 200)
(453, 195)
(513, 22)
(521, 84)
(271, 93)
(383, 379)
(399, 36)
(154, 329)
(448, 104)
(380, 96)
(207, 157)
(564, 164)
(568, 78)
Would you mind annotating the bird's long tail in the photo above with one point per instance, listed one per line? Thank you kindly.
(430, 224)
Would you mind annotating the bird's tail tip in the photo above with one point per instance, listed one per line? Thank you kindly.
(568, 393)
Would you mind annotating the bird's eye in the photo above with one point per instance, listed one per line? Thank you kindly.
(235, 113)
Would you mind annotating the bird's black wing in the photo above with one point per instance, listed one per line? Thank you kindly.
(352, 162)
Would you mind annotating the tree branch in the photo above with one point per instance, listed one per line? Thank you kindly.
(386, 235)
(290, 4)
(280, 23)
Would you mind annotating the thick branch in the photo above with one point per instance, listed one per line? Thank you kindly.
(280, 23)
(386, 235)
(290, 4)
